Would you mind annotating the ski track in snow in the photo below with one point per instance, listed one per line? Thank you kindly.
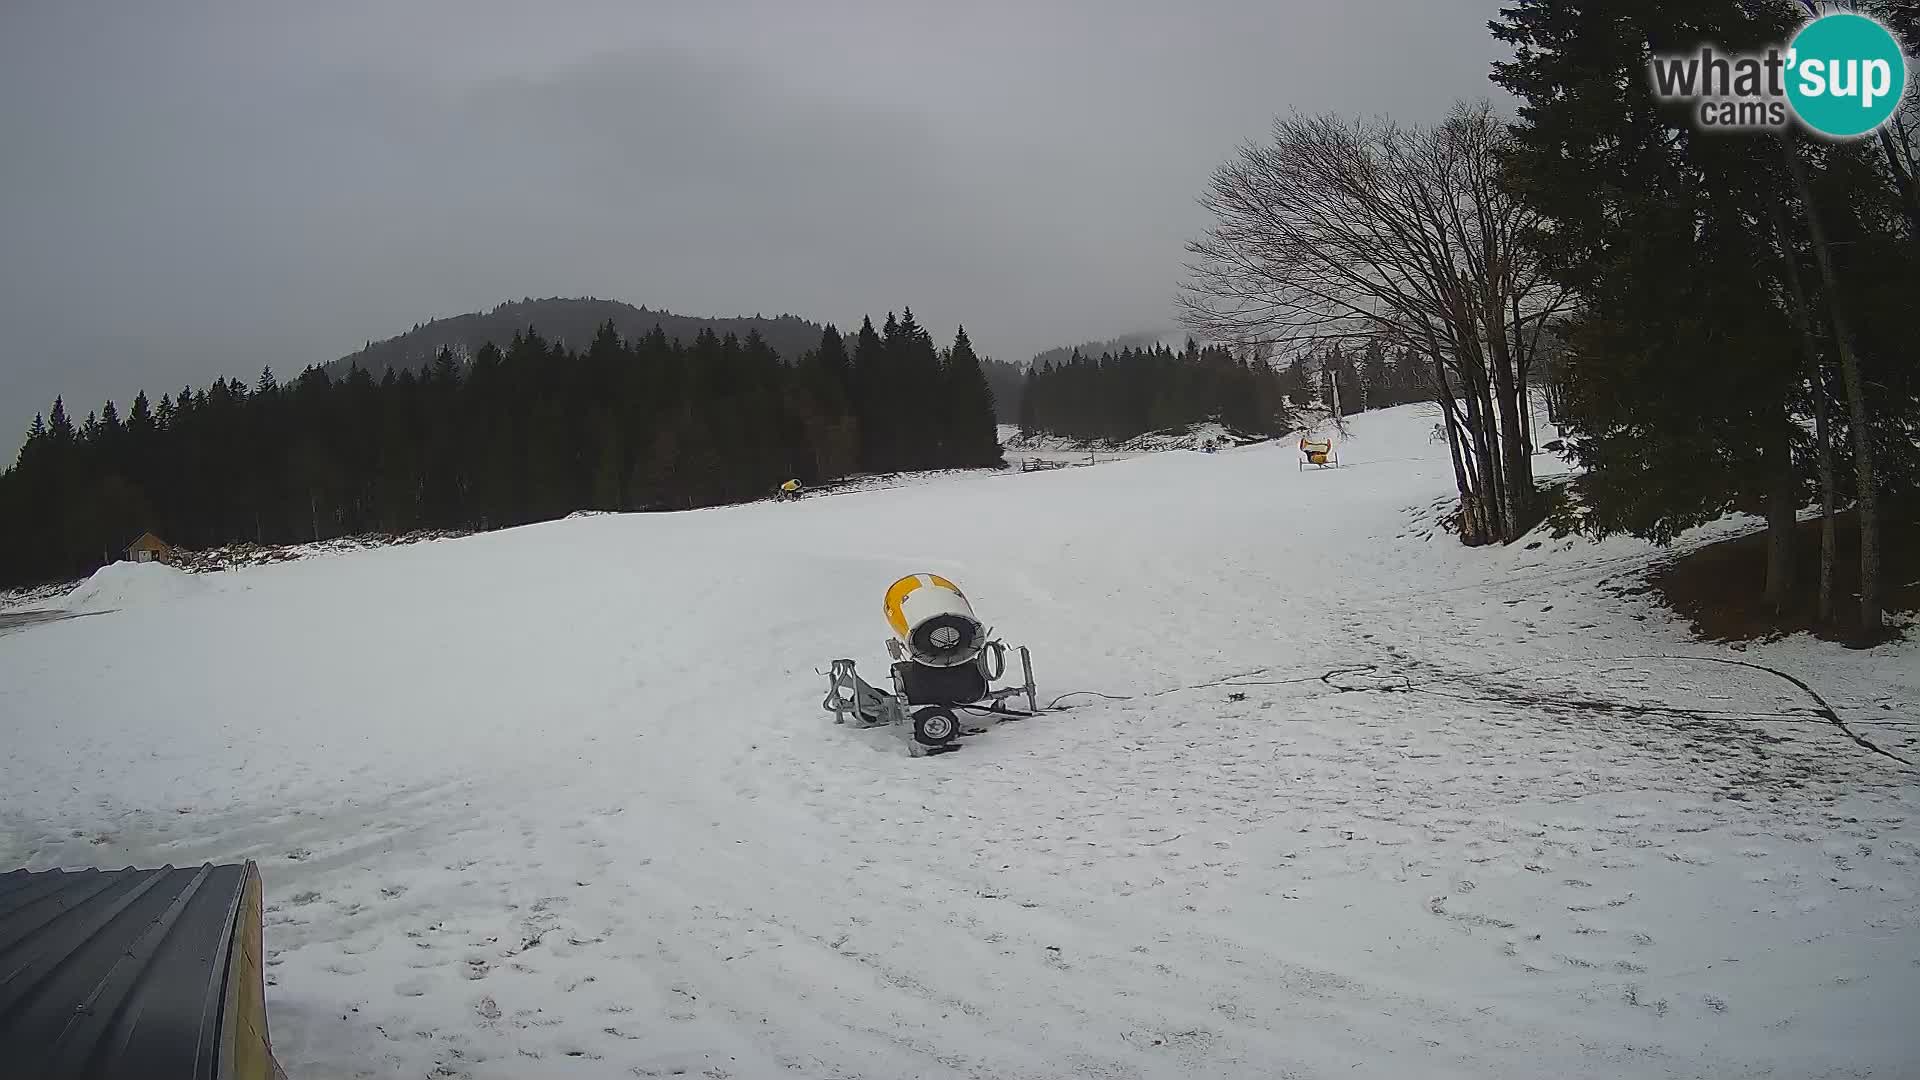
(560, 801)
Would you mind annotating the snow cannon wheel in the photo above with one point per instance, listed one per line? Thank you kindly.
(935, 725)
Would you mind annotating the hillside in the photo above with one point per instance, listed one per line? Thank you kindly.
(1329, 794)
(574, 320)
(569, 320)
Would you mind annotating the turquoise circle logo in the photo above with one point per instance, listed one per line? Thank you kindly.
(1846, 75)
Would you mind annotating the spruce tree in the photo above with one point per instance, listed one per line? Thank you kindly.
(872, 404)
(926, 435)
(826, 380)
(835, 388)
(974, 437)
(1680, 365)
(1299, 383)
(1376, 382)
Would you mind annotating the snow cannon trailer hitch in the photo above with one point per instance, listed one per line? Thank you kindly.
(945, 660)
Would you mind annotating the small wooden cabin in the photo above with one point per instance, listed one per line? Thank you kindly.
(149, 548)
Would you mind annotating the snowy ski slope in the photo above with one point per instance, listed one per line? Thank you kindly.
(560, 801)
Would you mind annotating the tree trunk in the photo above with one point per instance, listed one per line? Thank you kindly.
(1817, 385)
(1867, 505)
(1480, 484)
(1781, 507)
(1472, 521)
(1453, 451)
(1526, 417)
(1524, 356)
(1512, 437)
(1824, 439)
(1476, 525)
(1483, 440)
(1526, 424)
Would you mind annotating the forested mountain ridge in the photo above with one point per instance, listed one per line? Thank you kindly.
(527, 432)
(568, 321)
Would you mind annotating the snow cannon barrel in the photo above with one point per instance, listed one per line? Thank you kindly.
(934, 623)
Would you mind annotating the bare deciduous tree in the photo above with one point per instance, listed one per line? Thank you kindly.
(1339, 229)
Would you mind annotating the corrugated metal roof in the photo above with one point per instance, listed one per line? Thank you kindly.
(115, 973)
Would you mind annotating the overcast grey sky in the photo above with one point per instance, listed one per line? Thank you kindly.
(191, 189)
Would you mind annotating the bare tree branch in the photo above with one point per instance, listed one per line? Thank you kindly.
(1338, 229)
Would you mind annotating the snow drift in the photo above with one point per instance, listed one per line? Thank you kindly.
(130, 584)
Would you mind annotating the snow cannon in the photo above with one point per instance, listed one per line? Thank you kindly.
(932, 622)
(945, 661)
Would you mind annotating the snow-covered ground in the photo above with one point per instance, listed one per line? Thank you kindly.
(560, 800)
(242, 554)
(1058, 449)
(115, 576)
(34, 597)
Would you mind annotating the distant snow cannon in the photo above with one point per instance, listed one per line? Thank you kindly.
(1319, 453)
(945, 659)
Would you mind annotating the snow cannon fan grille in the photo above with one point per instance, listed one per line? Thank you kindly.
(946, 641)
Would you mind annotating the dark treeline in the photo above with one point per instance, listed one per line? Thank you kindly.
(1370, 376)
(1120, 395)
(526, 433)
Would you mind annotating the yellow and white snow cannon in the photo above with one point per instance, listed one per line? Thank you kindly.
(1319, 453)
(945, 659)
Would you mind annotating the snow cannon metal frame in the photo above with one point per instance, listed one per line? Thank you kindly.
(945, 659)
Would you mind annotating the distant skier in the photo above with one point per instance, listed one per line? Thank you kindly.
(790, 490)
